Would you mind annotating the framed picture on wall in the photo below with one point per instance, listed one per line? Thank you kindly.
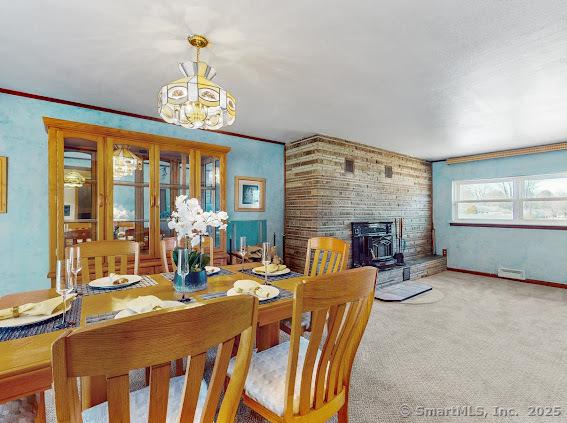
(249, 194)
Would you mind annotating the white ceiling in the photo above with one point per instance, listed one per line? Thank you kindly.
(429, 78)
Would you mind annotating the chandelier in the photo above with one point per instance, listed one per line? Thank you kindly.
(124, 162)
(73, 179)
(194, 101)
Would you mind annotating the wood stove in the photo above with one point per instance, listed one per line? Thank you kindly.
(373, 244)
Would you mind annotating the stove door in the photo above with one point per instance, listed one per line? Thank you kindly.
(382, 247)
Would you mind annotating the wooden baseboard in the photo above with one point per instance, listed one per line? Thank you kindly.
(492, 275)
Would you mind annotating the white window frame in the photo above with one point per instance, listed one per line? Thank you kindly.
(517, 200)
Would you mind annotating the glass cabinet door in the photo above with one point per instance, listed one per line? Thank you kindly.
(174, 179)
(132, 199)
(211, 196)
(82, 201)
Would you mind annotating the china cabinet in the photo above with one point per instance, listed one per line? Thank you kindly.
(107, 183)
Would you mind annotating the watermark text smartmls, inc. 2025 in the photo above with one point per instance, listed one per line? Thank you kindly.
(482, 412)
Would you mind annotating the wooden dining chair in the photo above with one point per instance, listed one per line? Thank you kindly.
(153, 340)
(308, 380)
(325, 255)
(101, 253)
(169, 244)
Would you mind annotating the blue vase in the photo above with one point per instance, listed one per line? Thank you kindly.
(194, 281)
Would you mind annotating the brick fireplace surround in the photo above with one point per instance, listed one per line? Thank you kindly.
(322, 198)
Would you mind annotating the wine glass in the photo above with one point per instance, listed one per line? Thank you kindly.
(182, 269)
(63, 285)
(243, 250)
(75, 259)
(266, 259)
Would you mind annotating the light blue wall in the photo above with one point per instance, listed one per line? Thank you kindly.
(541, 253)
(24, 229)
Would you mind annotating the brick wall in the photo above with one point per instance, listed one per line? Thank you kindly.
(322, 199)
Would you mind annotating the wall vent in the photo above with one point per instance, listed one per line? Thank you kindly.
(504, 272)
(349, 165)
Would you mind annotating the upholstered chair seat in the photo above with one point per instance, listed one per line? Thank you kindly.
(139, 404)
(265, 383)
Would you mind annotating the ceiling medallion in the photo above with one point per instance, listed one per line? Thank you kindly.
(194, 101)
(124, 162)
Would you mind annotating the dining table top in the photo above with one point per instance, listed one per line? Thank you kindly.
(21, 359)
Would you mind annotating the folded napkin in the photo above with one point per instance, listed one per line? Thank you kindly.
(250, 287)
(272, 268)
(144, 304)
(115, 279)
(43, 308)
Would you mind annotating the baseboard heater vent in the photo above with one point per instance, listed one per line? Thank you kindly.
(511, 273)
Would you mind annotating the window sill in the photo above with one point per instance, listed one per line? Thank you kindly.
(511, 226)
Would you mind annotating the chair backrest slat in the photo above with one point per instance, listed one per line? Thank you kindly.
(85, 274)
(224, 352)
(117, 392)
(166, 253)
(340, 302)
(111, 264)
(318, 319)
(154, 340)
(325, 255)
(315, 265)
(96, 254)
(124, 264)
(98, 267)
(159, 391)
(334, 381)
(336, 314)
(192, 386)
(233, 392)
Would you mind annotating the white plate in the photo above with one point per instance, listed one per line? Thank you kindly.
(106, 282)
(28, 320)
(274, 292)
(165, 304)
(211, 270)
(280, 272)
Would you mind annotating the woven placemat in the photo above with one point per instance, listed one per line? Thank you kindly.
(273, 278)
(222, 272)
(73, 320)
(95, 318)
(284, 293)
(86, 289)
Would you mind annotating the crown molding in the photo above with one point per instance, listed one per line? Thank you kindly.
(123, 113)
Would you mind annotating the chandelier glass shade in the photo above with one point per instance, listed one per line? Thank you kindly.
(124, 162)
(73, 179)
(194, 101)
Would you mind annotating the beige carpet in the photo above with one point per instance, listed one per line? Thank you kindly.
(487, 343)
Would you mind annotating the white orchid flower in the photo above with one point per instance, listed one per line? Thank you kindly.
(195, 241)
(222, 215)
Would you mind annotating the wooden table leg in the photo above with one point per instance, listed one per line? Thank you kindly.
(40, 416)
(93, 391)
(267, 336)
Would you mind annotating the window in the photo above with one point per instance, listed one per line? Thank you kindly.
(540, 200)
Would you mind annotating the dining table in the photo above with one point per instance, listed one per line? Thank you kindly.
(25, 363)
